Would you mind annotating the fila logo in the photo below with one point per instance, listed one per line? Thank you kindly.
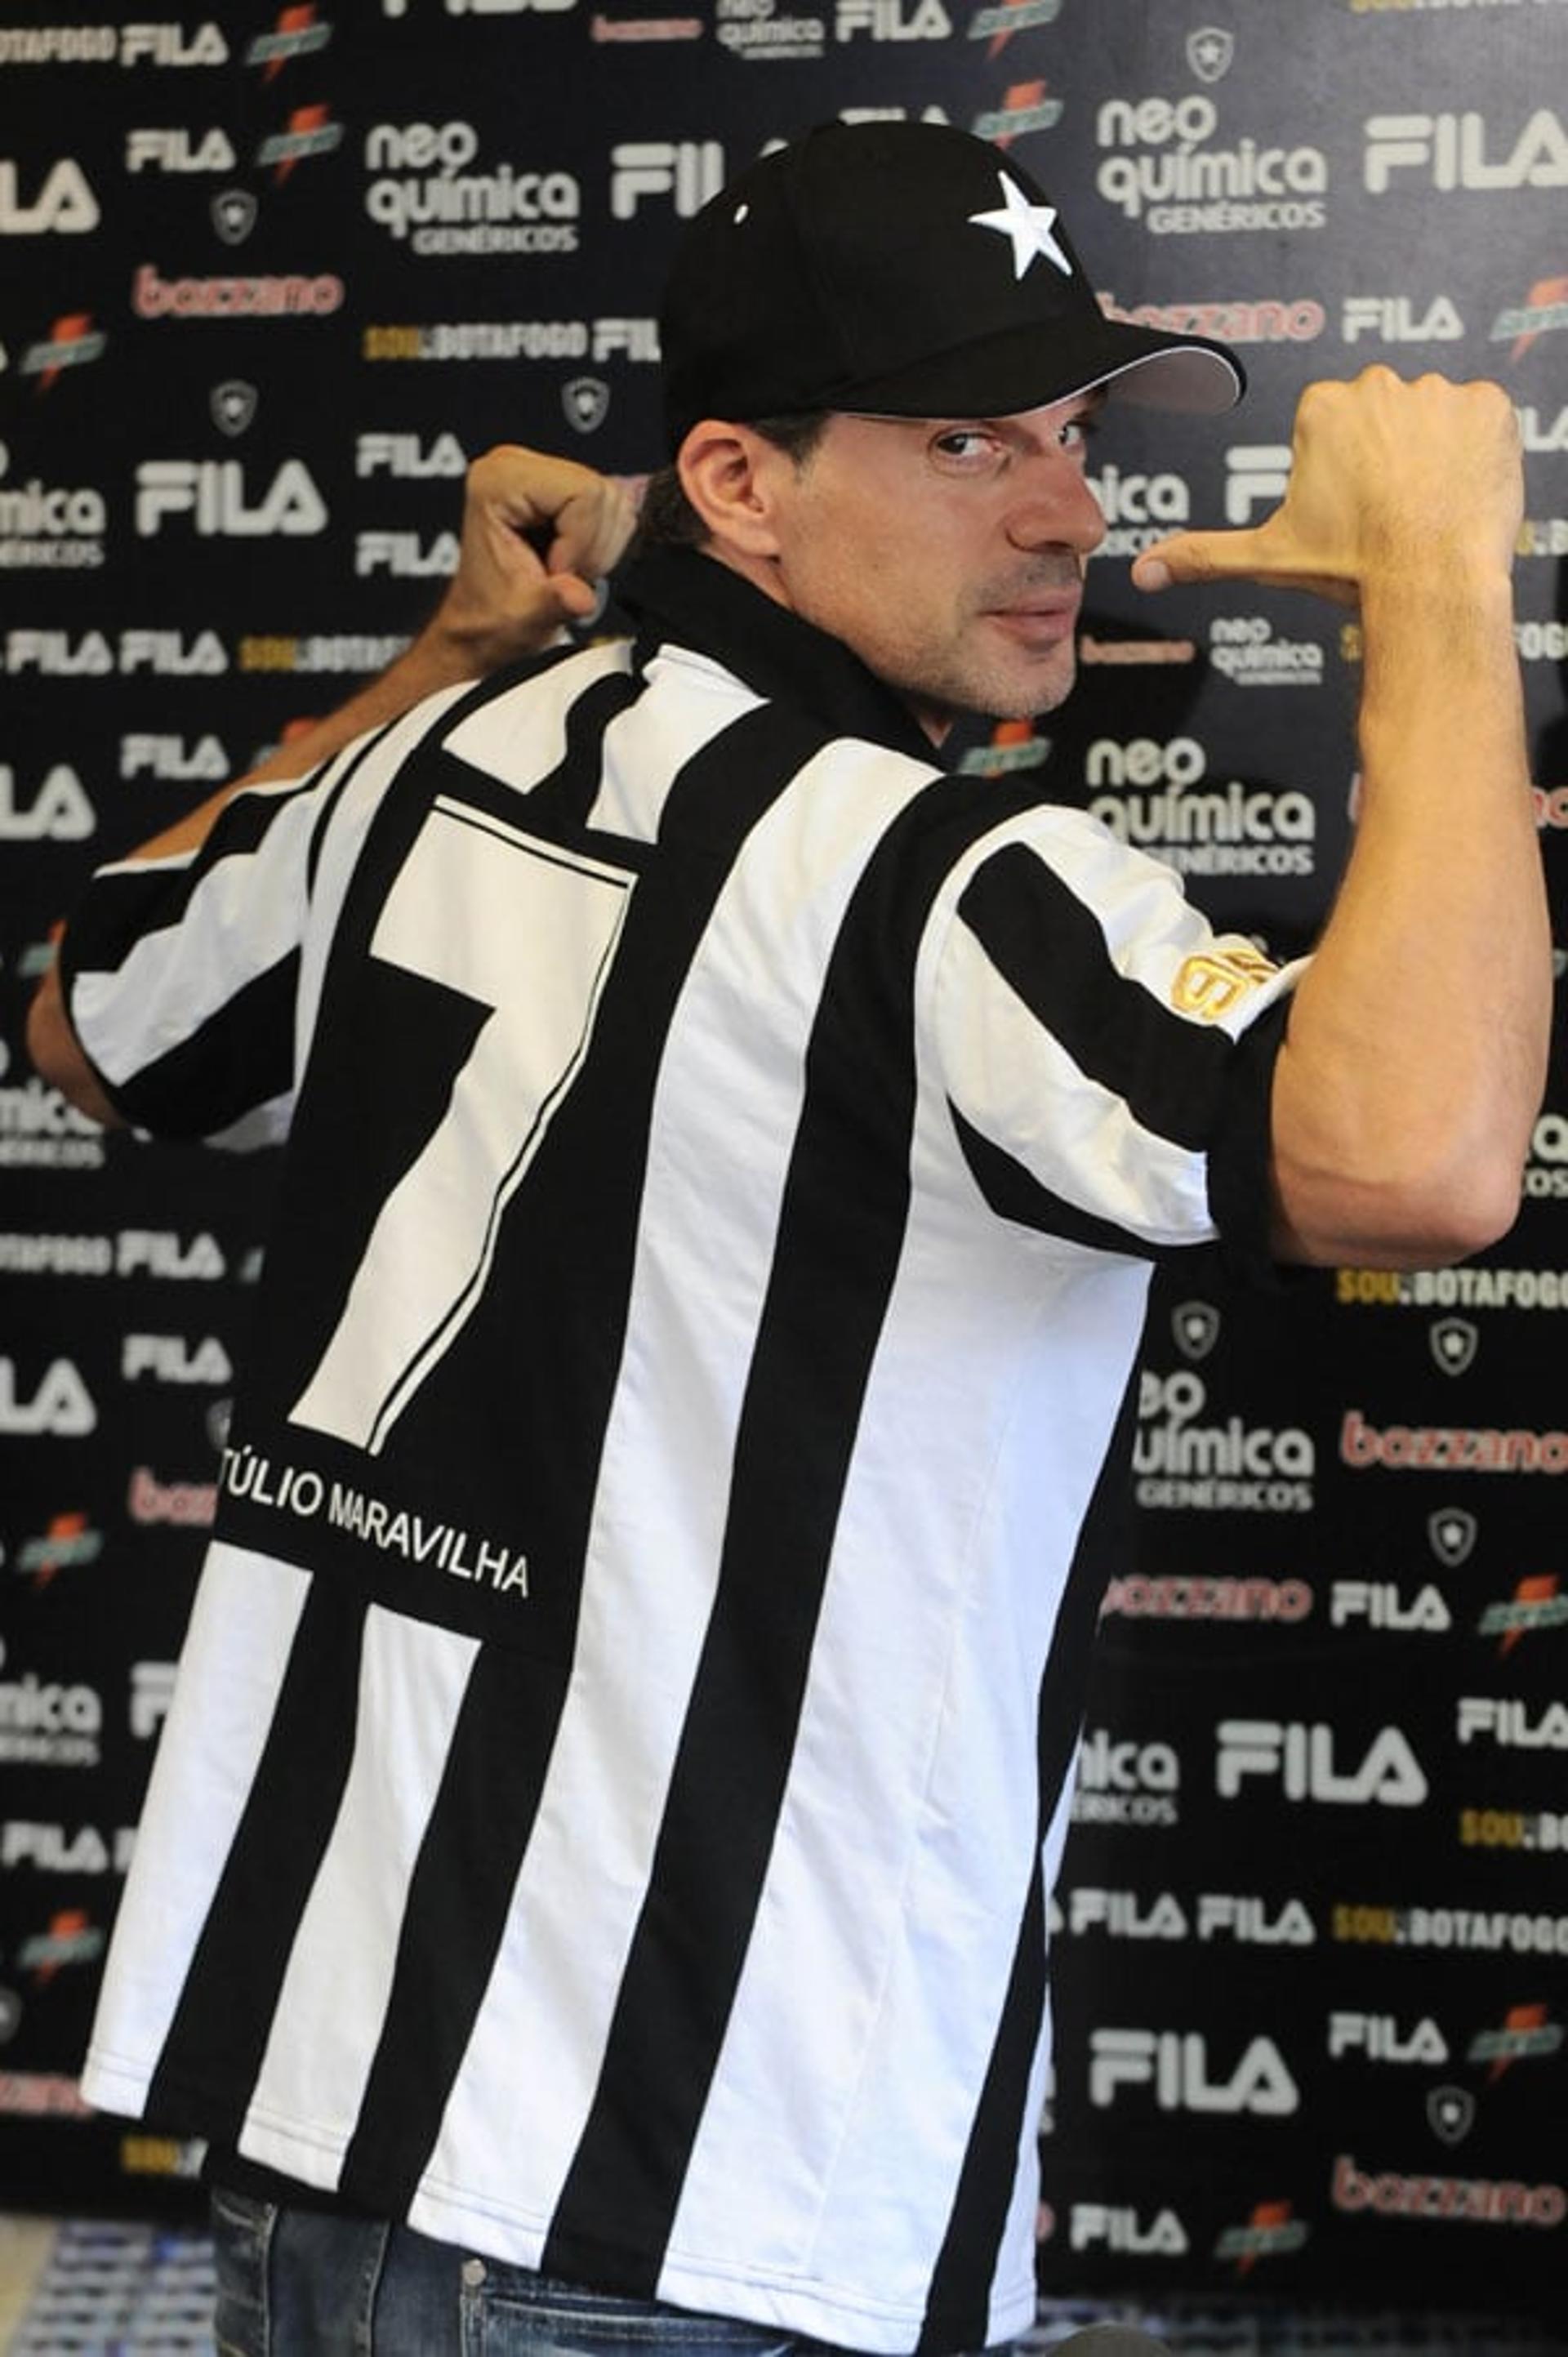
(1380, 1603)
(172, 151)
(1507, 1721)
(1392, 319)
(1255, 473)
(689, 170)
(1245, 1918)
(1175, 2063)
(49, 1849)
(1302, 1758)
(403, 555)
(165, 45)
(1376, 2038)
(60, 1407)
(64, 204)
(165, 1357)
(1120, 1913)
(1094, 2225)
(885, 20)
(158, 1252)
(1451, 150)
(212, 491)
(59, 812)
(166, 757)
(404, 456)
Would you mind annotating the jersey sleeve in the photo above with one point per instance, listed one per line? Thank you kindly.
(192, 983)
(1107, 1056)
(181, 974)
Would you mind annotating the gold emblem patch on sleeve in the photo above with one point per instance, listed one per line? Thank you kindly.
(1210, 984)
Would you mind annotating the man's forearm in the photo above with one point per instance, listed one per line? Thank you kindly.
(1416, 1052)
(1417, 1048)
(433, 660)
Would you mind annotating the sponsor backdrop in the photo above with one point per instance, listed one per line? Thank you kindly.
(270, 277)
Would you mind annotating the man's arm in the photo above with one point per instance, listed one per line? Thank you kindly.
(1414, 1068)
(537, 534)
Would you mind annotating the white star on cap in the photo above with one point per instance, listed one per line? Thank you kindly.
(1030, 227)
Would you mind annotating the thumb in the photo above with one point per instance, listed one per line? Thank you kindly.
(1200, 556)
(574, 597)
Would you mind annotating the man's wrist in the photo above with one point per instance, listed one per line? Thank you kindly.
(454, 647)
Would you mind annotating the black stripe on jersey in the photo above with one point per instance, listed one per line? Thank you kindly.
(241, 1057)
(1240, 1154)
(1051, 949)
(839, 1235)
(329, 807)
(551, 1331)
(219, 2034)
(957, 2313)
(495, 1768)
(1013, 1194)
(564, 798)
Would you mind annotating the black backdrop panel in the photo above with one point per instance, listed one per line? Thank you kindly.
(269, 278)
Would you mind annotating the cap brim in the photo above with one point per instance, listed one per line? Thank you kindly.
(1028, 368)
(1198, 380)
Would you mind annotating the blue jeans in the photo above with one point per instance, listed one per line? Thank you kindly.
(303, 2283)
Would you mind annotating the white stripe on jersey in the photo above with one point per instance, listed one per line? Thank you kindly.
(241, 1628)
(645, 747)
(519, 735)
(898, 2025)
(1069, 1337)
(334, 1996)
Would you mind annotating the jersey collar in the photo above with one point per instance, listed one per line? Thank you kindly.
(679, 594)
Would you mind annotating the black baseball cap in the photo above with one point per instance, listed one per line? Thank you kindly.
(904, 269)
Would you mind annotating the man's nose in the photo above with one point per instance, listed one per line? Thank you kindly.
(1056, 507)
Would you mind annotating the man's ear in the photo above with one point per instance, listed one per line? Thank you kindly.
(733, 478)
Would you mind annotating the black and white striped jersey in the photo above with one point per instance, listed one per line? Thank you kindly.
(619, 1757)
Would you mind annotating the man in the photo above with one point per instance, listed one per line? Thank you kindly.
(621, 1753)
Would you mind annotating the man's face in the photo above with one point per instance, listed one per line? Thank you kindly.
(947, 552)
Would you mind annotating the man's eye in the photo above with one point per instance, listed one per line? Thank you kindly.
(964, 450)
(1079, 432)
